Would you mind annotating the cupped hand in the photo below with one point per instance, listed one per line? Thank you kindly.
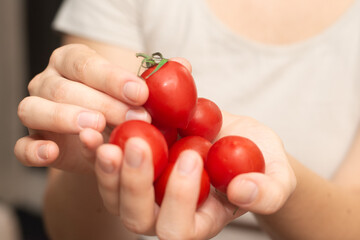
(256, 192)
(128, 191)
(72, 105)
(126, 186)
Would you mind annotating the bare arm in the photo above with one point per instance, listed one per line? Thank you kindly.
(321, 209)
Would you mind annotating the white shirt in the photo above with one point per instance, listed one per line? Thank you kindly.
(307, 92)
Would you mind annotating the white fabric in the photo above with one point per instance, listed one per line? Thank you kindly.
(307, 92)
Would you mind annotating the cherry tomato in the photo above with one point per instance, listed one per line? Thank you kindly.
(172, 94)
(206, 122)
(160, 186)
(170, 133)
(199, 144)
(231, 156)
(149, 133)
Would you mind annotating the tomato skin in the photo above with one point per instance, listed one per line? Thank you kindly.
(196, 143)
(160, 186)
(172, 94)
(206, 122)
(231, 156)
(149, 133)
(170, 133)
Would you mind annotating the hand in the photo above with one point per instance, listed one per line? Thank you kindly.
(256, 192)
(126, 186)
(128, 191)
(76, 98)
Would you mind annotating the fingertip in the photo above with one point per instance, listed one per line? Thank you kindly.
(109, 158)
(91, 138)
(242, 191)
(94, 120)
(109, 151)
(188, 161)
(138, 114)
(137, 144)
(266, 198)
(136, 91)
(53, 151)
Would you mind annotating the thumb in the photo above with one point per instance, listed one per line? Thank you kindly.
(261, 193)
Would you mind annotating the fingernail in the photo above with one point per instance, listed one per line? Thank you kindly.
(137, 114)
(248, 191)
(88, 120)
(186, 163)
(133, 155)
(132, 91)
(43, 152)
(106, 165)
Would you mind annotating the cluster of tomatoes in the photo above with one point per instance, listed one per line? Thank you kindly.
(182, 121)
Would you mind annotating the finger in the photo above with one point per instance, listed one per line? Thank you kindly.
(32, 151)
(91, 140)
(177, 212)
(82, 64)
(61, 90)
(182, 61)
(263, 193)
(137, 209)
(107, 170)
(42, 114)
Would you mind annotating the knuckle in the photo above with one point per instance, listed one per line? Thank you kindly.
(78, 47)
(21, 111)
(63, 51)
(59, 91)
(56, 55)
(32, 86)
(82, 64)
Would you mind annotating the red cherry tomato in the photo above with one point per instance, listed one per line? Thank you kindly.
(206, 122)
(160, 186)
(231, 156)
(199, 144)
(172, 94)
(170, 133)
(149, 133)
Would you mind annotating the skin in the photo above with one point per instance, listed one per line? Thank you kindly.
(111, 190)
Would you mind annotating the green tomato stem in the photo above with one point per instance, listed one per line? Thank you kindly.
(148, 62)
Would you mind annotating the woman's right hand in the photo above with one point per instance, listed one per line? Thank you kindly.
(73, 105)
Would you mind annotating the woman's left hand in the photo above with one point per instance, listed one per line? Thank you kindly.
(127, 189)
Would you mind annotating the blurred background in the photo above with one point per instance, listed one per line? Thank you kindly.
(26, 42)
